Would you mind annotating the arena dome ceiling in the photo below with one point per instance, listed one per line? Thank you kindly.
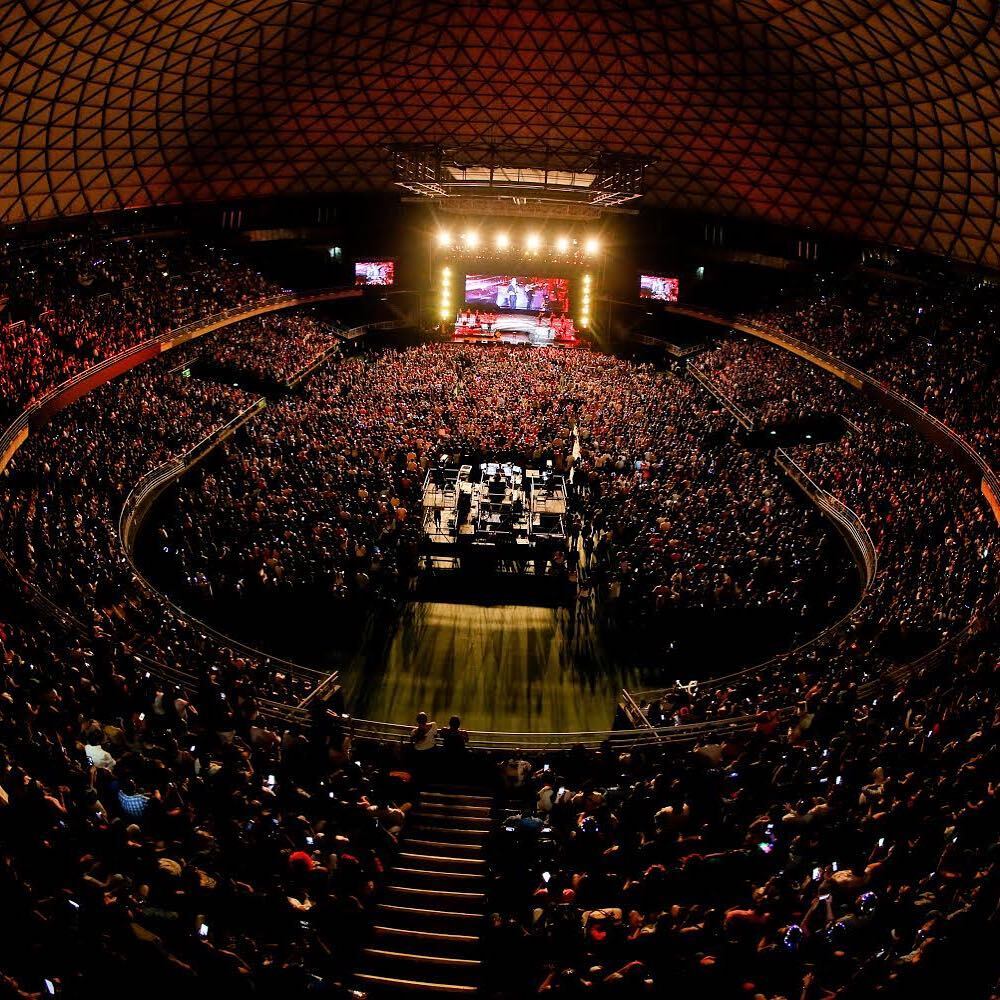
(872, 117)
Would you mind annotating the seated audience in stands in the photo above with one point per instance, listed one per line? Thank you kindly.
(859, 860)
(936, 344)
(171, 820)
(275, 347)
(185, 837)
(72, 303)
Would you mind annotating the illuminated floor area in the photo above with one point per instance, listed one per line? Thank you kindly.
(501, 667)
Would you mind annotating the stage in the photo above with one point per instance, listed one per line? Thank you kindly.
(536, 329)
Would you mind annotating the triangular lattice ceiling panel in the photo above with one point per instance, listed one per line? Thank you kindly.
(879, 118)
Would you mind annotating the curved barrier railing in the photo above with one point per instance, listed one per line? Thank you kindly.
(929, 425)
(856, 534)
(141, 498)
(847, 522)
(68, 391)
(693, 732)
(509, 742)
(863, 551)
(745, 419)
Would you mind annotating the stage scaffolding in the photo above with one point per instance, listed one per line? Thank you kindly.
(584, 181)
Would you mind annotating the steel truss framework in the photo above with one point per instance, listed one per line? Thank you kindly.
(536, 171)
(877, 118)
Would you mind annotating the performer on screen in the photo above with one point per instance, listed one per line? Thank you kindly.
(507, 296)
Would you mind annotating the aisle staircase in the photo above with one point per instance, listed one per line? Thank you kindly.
(429, 922)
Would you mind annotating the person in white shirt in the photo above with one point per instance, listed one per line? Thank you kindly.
(423, 736)
(97, 755)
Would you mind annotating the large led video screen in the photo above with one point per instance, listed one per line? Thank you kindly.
(374, 272)
(655, 286)
(515, 291)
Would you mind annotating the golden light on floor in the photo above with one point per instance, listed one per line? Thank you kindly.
(501, 667)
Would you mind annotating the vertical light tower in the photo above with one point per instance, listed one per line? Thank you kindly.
(583, 316)
(444, 283)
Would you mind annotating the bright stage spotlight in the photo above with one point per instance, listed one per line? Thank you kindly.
(471, 239)
(562, 244)
(592, 246)
(444, 238)
(533, 242)
(502, 241)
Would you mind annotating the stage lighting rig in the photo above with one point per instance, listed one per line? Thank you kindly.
(523, 179)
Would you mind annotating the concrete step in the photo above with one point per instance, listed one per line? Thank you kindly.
(389, 986)
(417, 844)
(422, 967)
(435, 899)
(413, 915)
(465, 798)
(427, 941)
(451, 807)
(448, 824)
(415, 857)
(431, 877)
(479, 791)
(426, 938)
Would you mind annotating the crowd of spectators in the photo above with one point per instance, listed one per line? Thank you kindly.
(667, 511)
(939, 346)
(847, 852)
(275, 347)
(174, 838)
(932, 529)
(854, 324)
(777, 388)
(151, 810)
(62, 500)
(69, 304)
(844, 849)
(933, 533)
(881, 467)
(956, 378)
